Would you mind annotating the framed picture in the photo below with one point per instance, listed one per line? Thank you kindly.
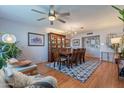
(35, 39)
(76, 42)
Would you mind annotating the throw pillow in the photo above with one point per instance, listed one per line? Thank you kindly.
(12, 60)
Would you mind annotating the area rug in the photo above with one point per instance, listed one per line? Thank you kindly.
(81, 72)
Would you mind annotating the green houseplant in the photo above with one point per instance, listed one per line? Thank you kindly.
(121, 12)
(8, 50)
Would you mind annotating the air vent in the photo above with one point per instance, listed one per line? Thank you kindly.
(89, 33)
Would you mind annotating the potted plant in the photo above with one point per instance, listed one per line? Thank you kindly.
(121, 11)
(7, 51)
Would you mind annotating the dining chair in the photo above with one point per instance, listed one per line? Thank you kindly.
(82, 54)
(56, 58)
(68, 50)
(59, 59)
(73, 58)
(79, 53)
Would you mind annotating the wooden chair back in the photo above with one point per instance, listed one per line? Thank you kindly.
(82, 53)
(74, 55)
(55, 55)
(68, 49)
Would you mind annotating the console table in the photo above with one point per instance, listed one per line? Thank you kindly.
(107, 55)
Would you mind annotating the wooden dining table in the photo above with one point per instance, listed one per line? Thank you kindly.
(65, 53)
(61, 57)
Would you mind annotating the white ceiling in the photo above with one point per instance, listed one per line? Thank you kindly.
(90, 17)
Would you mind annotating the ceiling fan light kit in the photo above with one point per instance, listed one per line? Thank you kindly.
(51, 18)
(53, 15)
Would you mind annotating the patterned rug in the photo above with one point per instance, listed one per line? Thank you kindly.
(81, 72)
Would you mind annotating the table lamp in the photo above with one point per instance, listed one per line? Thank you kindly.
(8, 38)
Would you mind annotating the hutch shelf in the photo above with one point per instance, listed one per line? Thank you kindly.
(55, 42)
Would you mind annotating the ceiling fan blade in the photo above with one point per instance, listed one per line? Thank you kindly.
(65, 14)
(41, 19)
(51, 22)
(61, 20)
(38, 11)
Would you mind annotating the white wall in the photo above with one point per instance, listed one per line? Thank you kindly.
(103, 34)
(20, 30)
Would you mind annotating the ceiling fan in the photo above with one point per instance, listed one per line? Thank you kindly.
(52, 15)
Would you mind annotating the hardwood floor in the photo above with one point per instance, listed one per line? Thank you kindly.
(105, 76)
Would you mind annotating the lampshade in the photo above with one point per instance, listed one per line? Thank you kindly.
(115, 40)
(8, 38)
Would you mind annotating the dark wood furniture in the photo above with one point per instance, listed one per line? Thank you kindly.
(65, 53)
(68, 43)
(77, 56)
(120, 64)
(55, 43)
(60, 58)
(73, 59)
(81, 53)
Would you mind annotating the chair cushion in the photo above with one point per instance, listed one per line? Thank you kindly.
(12, 60)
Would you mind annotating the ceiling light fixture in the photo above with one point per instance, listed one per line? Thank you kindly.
(51, 18)
(75, 33)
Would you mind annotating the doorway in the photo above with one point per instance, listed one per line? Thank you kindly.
(92, 45)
